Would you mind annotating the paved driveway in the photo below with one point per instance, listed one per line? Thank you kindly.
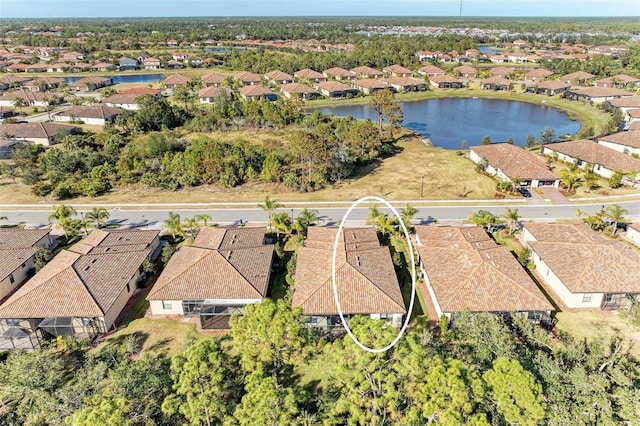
(555, 196)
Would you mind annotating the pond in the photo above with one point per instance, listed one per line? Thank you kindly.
(447, 122)
(124, 78)
(483, 48)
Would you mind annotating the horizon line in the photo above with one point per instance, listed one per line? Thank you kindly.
(320, 16)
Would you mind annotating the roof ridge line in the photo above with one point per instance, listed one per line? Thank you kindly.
(239, 273)
(376, 286)
(84, 284)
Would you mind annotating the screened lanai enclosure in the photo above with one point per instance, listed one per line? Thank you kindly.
(19, 334)
(212, 316)
(78, 328)
(31, 333)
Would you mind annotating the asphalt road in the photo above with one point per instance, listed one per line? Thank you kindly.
(154, 217)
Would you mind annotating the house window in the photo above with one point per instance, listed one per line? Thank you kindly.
(11, 279)
(166, 305)
(586, 298)
(386, 316)
(128, 288)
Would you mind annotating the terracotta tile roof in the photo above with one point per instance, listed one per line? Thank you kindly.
(465, 69)
(634, 113)
(443, 79)
(222, 263)
(514, 161)
(625, 102)
(255, 90)
(553, 85)
(403, 81)
(538, 73)
(338, 72)
(279, 76)
(365, 276)
(213, 78)
(599, 92)
(12, 259)
(27, 95)
(594, 153)
(293, 88)
(369, 83)
(620, 78)
(500, 71)
(121, 99)
(213, 92)
(468, 270)
(248, 77)
(100, 238)
(332, 86)
(497, 81)
(74, 285)
(36, 130)
(11, 238)
(140, 91)
(177, 79)
(578, 75)
(634, 126)
(584, 261)
(92, 111)
(397, 69)
(431, 69)
(91, 80)
(628, 138)
(368, 71)
(308, 73)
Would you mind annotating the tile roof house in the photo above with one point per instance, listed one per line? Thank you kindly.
(43, 84)
(507, 162)
(335, 89)
(464, 269)
(30, 97)
(633, 233)
(365, 278)
(339, 74)
(151, 63)
(397, 71)
(257, 92)
(596, 94)
(128, 64)
(17, 251)
(279, 77)
(309, 75)
(368, 85)
(221, 272)
(248, 78)
(620, 81)
(625, 103)
(445, 82)
(367, 72)
(90, 83)
(503, 72)
(430, 70)
(583, 269)
(176, 80)
(496, 83)
(75, 294)
(627, 142)
(597, 157)
(405, 84)
(466, 71)
(577, 77)
(537, 74)
(213, 79)
(91, 114)
(297, 90)
(122, 100)
(550, 88)
(208, 95)
(41, 133)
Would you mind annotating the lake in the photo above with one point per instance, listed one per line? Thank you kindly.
(482, 48)
(449, 121)
(124, 78)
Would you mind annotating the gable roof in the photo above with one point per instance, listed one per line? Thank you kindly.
(176, 79)
(308, 73)
(468, 270)
(36, 130)
(594, 153)
(514, 161)
(74, 285)
(11, 238)
(365, 277)
(583, 260)
(92, 111)
(628, 138)
(222, 264)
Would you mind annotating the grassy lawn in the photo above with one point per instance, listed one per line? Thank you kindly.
(604, 326)
(446, 176)
(404, 279)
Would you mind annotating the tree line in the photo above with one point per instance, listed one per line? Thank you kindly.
(272, 370)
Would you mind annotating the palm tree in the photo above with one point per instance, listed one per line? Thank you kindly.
(407, 214)
(173, 224)
(270, 206)
(69, 226)
(305, 219)
(374, 212)
(282, 222)
(385, 224)
(570, 178)
(192, 225)
(484, 218)
(98, 216)
(20, 103)
(615, 214)
(61, 211)
(204, 217)
(591, 180)
(512, 217)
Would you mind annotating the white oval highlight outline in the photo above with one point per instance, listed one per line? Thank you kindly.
(413, 275)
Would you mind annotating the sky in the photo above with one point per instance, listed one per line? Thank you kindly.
(162, 8)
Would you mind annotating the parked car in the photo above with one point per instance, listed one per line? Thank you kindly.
(524, 192)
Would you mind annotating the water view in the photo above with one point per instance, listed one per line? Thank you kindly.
(447, 122)
(125, 78)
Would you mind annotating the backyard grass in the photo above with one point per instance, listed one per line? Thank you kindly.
(600, 326)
